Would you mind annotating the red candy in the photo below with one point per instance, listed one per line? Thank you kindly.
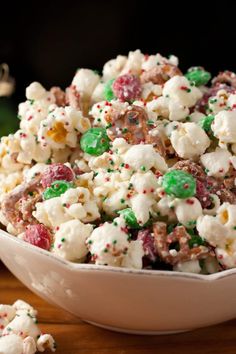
(38, 235)
(56, 172)
(203, 194)
(127, 87)
(148, 244)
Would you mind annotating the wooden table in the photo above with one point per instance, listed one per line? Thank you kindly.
(75, 337)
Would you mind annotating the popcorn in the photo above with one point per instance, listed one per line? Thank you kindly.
(144, 182)
(20, 334)
(179, 89)
(70, 240)
(224, 126)
(101, 110)
(189, 140)
(134, 257)
(167, 108)
(61, 128)
(188, 267)
(75, 203)
(108, 244)
(114, 67)
(141, 205)
(217, 162)
(85, 81)
(144, 157)
(134, 63)
(187, 211)
(210, 228)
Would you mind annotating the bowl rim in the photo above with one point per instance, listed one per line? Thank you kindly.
(124, 271)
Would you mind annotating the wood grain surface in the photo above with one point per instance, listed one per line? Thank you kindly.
(76, 337)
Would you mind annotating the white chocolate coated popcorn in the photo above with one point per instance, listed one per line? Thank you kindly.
(144, 155)
(134, 257)
(189, 140)
(224, 126)
(85, 81)
(113, 67)
(20, 334)
(178, 88)
(217, 163)
(61, 128)
(70, 240)
(75, 203)
(108, 244)
(187, 210)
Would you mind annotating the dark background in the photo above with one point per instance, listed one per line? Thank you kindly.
(48, 41)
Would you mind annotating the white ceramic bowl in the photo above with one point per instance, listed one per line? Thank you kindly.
(125, 300)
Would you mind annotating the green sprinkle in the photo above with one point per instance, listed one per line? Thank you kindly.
(114, 242)
(90, 242)
(63, 239)
(143, 168)
(206, 170)
(150, 122)
(115, 223)
(124, 130)
(105, 250)
(122, 201)
(31, 194)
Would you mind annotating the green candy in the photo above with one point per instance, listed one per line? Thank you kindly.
(56, 189)
(129, 218)
(95, 141)
(205, 123)
(108, 92)
(198, 76)
(180, 184)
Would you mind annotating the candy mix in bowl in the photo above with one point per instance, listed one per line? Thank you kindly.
(133, 168)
